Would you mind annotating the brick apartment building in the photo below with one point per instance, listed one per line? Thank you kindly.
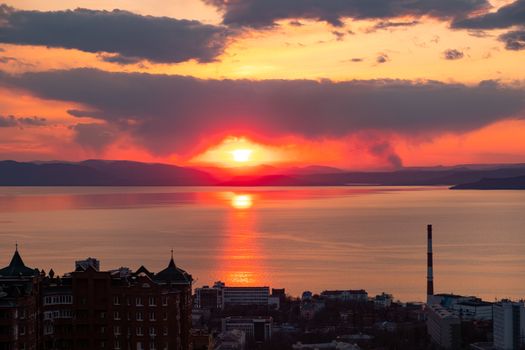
(92, 309)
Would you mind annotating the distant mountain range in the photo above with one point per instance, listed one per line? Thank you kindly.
(128, 173)
(508, 183)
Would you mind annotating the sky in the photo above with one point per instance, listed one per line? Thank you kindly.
(357, 84)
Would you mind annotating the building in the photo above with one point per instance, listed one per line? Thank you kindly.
(230, 340)
(208, 298)
(443, 327)
(246, 296)
(256, 328)
(20, 325)
(359, 295)
(84, 264)
(475, 309)
(383, 300)
(92, 309)
(509, 325)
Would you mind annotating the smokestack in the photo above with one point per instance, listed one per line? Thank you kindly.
(430, 275)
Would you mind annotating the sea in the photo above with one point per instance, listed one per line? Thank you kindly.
(297, 238)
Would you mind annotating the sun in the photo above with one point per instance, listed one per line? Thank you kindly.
(242, 155)
(242, 201)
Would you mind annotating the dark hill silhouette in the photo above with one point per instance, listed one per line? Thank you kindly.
(509, 183)
(128, 173)
(100, 173)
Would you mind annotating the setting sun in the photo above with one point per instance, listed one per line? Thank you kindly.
(241, 201)
(242, 155)
(239, 152)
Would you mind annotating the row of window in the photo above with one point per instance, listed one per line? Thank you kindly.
(58, 299)
(139, 316)
(152, 301)
(141, 346)
(65, 313)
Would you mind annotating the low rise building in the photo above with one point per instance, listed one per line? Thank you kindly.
(256, 328)
(473, 310)
(358, 295)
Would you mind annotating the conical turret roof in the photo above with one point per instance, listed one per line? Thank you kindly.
(17, 267)
(173, 274)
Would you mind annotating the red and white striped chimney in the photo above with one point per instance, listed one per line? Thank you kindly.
(430, 275)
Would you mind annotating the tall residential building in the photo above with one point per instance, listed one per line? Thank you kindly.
(509, 325)
(91, 309)
(443, 327)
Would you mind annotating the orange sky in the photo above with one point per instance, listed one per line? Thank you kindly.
(314, 51)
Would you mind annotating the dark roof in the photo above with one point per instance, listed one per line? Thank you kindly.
(173, 274)
(17, 268)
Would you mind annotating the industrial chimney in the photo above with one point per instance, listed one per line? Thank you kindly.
(430, 275)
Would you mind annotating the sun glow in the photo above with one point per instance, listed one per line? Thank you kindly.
(239, 152)
(242, 201)
(242, 155)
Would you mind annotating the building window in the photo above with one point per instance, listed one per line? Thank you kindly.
(102, 314)
(152, 316)
(138, 301)
(58, 299)
(139, 345)
(139, 331)
(165, 330)
(117, 344)
(116, 315)
(102, 330)
(152, 346)
(152, 331)
(116, 300)
(152, 301)
(22, 313)
(22, 330)
(164, 301)
(165, 315)
(139, 316)
(116, 330)
(48, 329)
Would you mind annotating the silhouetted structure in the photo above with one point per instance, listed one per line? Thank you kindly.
(430, 273)
(91, 309)
(19, 305)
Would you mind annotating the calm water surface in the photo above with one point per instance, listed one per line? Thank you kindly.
(297, 238)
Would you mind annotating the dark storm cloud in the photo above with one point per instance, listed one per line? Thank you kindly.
(264, 13)
(514, 40)
(93, 136)
(506, 16)
(130, 37)
(11, 121)
(453, 54)
(172, 113)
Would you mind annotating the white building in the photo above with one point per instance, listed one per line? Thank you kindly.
(509, 325)
(257, 328)
(473, 310)
(444, 327)
(359, 295)
(245, 296)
